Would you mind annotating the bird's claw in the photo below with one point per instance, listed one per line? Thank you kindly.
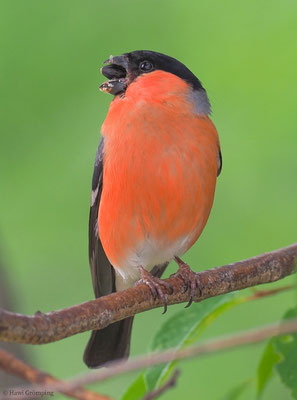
(156, 286)
(191, 279)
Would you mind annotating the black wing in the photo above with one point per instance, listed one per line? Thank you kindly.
(220, 162)
(101, 269)
(112, 342)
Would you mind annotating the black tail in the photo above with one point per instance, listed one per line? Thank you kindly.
(110, 343)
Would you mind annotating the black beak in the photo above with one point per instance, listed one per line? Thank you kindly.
(116, 71)
(117, 67)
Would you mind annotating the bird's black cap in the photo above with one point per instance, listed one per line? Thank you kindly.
(131, 65)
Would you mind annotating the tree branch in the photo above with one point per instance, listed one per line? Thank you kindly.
(208, 347)
(9, 299)
(97, 314)
(13, 366)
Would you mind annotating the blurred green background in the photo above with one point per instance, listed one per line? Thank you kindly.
(245, 53)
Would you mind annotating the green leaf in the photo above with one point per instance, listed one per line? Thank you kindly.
(286, 346)
(136, 390)
(280, 355)
(183, 329)
(265, 369)
(238, 390)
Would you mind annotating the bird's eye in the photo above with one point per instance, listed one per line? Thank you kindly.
(146, 66)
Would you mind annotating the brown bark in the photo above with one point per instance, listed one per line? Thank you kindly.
(97, 314)
(15, 367)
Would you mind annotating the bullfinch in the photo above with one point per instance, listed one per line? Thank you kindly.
(153, 183)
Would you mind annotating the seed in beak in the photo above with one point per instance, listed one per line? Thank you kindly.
(114, 86)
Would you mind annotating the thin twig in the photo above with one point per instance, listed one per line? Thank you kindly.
(97, 314)
(13, 366)
(260, 294)
(206, 348)
(167, 385)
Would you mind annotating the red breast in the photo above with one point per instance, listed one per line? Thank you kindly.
(160, 169)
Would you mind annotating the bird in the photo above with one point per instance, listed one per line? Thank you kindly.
(153, 184)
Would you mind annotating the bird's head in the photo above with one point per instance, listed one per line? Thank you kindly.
(125, 69)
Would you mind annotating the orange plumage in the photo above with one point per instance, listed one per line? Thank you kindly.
(153, 183)
(160, 168)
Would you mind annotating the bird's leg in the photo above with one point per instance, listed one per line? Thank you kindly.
(156, 285)
(190, 278)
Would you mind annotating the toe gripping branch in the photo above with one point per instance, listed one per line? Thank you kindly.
(191, 279)
(157, 286)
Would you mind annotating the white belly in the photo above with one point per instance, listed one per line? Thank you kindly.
(147, 254)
